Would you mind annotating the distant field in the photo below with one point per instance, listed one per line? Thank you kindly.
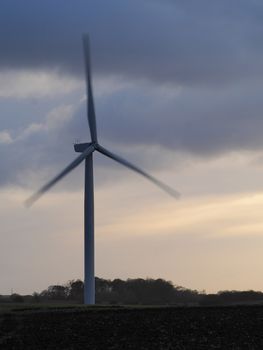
(20, 307)
(78, 327)
(23, 307)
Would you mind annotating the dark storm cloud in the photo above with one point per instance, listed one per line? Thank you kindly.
(198, 121)
(186, 42)
(193, 72)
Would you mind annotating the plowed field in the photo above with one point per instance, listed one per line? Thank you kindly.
(134, 328)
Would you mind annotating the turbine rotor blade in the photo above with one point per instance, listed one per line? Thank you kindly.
(30, 201)
(124, 162)
(90, 101)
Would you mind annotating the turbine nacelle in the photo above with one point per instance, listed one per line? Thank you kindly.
(81, 147)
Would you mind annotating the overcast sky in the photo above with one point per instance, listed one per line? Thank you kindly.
(178, 91)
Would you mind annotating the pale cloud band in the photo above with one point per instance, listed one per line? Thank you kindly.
(22, 84)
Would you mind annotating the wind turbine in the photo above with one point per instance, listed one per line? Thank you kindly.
(86, 153)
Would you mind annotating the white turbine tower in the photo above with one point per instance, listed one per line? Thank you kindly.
(86, 152)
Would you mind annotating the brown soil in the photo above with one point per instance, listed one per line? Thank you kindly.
(124, 328)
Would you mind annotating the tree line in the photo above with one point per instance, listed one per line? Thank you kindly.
(136, 292)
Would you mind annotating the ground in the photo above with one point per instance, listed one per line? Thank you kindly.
(151, 328)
